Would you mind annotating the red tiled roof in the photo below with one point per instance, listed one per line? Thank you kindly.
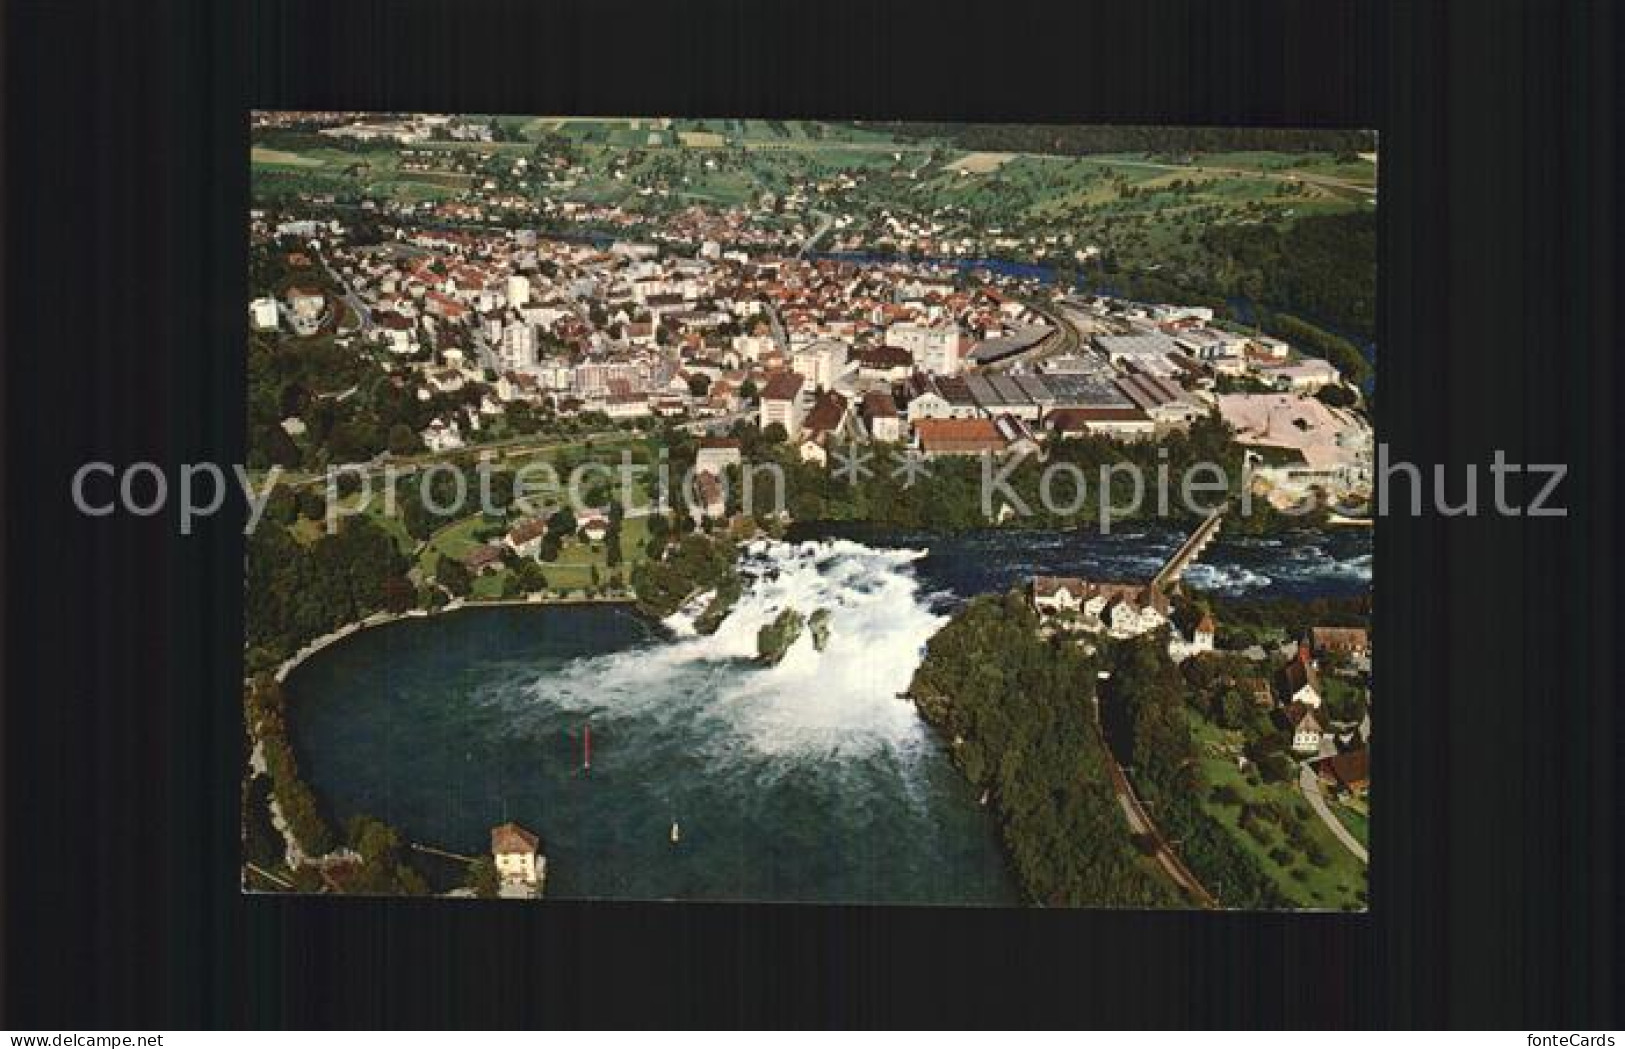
(1339, 638)
(885, 358)
(526, 530)
(877, 405)
(826, 414)
(785, 386)
(511, 837)
(959, 435)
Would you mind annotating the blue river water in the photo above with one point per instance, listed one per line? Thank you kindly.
(808, 781)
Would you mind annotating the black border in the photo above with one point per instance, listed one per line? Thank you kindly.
(1494, 845)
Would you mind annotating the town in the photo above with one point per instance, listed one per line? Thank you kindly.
(431, 290)
(495, 326)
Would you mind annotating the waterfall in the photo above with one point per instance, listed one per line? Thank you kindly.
(843, 699)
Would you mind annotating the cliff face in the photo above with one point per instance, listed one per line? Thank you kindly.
(722, 601)
(819, 625)
(775, 639)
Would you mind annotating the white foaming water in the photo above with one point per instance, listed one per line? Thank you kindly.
(1231, 579)
(841, 700)
(1314, 562)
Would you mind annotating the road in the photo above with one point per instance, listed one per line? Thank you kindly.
(1323, 181)
(780, 336)
(488, 357)
(825, 222)
(1309, 783)
(410, 464)
(1140, 823)
(362, 312)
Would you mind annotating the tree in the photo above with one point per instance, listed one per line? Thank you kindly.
(775, 433)
(1040, 760)
(529, 576)
(453, 575)
(1231, 709)
(270, 445)
(482, 878)
(399, 594)
(311, 504)
(402, 441)
(384, 869)
(562, 523)
(1336, 396)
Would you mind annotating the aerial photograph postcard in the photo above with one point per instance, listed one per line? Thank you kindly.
(811, 512)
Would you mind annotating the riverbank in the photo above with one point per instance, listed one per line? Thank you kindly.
(442, 728)
(377, 619)
(268, 735)
(520, 688)
(1045, 775)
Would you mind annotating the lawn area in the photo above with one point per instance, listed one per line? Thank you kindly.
(391, 523)
(260, 155)
(573, 570)
(306, 531)
(1286, 823)
(1355, 818)
(455, 540)
(577, 558)
(489, 586)
(323, 168)
(1357, 169)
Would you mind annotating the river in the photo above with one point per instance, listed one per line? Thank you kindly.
(1309, 563)
(809, 781)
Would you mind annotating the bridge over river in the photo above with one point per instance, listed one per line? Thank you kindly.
(1189, 550)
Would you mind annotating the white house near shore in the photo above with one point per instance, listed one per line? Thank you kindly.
(519, 862)
(1121, 609)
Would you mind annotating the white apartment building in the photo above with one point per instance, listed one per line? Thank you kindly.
(518, 349)
(781, 403)
(821, 363)
(262, 313)
(936, 349)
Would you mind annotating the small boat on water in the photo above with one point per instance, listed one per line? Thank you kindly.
(676, 833)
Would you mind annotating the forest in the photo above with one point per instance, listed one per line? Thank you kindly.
(296, 593)
(1015, 710)
(1143, 710)
(948, 498)
(695, 564)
